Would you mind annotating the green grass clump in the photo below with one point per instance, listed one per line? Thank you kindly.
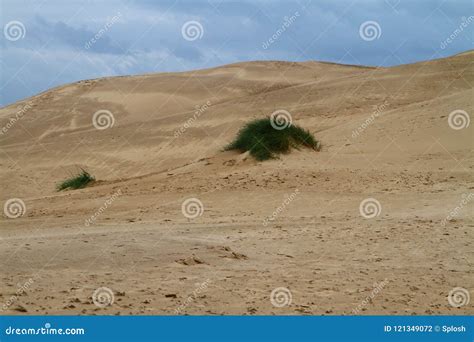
(265, 142)
(76, 182)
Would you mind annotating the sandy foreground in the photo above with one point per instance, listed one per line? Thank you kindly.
(380, 221)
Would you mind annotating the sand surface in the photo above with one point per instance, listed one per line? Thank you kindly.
(292, 223)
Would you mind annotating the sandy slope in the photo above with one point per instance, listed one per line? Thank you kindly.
(159, 152)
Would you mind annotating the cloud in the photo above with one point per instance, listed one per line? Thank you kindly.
(60, 34)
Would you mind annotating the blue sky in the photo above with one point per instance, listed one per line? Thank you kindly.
(51, 42)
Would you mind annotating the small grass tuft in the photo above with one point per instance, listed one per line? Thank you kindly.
(76, 182)
(265, 142)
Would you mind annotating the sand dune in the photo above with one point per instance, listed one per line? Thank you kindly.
(385, 135)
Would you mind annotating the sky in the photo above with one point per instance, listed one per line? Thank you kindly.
(46, 43)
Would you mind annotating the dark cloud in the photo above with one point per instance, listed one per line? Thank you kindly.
(62, 34)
